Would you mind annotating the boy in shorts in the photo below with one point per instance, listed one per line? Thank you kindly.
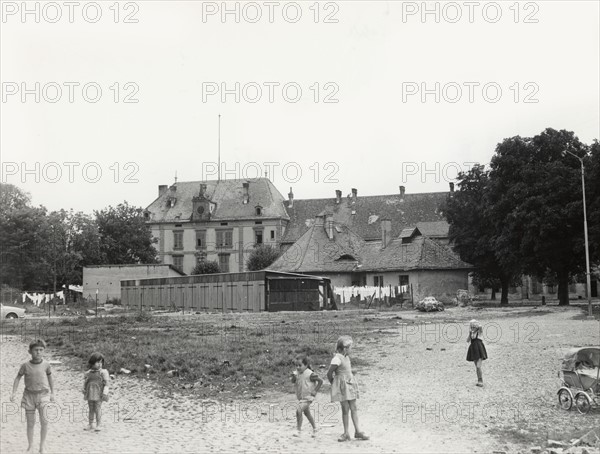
(39, 390)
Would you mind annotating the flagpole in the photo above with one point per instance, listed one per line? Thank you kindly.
(219, 155)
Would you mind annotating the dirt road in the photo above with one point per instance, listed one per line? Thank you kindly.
(417, 396)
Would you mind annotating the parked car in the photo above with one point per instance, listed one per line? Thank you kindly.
(429, 304)
(11, 312)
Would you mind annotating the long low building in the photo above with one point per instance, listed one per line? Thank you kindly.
(105, 280)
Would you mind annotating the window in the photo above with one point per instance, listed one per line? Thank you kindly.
(178, 239)
(403, 279)
(258, 211)
(258, 236)
(178, 262)
(200, 239)
(272, 234)
(200, 257)
(224, 238)
(378, 281)
(224, 263)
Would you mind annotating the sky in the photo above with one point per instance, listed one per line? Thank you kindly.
(104, 101)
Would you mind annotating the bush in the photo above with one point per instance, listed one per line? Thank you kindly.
(261, 257)
(206, 268)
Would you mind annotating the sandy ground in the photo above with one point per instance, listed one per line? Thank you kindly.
(418, 396)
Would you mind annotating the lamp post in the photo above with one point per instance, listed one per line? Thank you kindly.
(585, 233)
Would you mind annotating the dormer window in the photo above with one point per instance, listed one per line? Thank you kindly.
(146, 215)
(171, 202)
(258, 210)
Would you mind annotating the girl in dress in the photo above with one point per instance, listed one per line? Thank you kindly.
(344, 388)
(95, 389)
(307, 385)
(476, 352)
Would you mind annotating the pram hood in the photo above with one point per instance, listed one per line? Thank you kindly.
(589, 355)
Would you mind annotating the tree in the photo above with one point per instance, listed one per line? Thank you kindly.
(537, 192)
(125, 238)
(11, 198)
(474, 230)
(206, 268)
(261, 257)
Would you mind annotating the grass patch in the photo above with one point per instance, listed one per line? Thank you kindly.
(207, 354)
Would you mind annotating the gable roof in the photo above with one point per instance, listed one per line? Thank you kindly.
(226, 194)
(422, 253)
(314, 252)
(404, 211)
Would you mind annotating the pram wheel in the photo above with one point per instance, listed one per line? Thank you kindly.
(583, 403)
(565, 400)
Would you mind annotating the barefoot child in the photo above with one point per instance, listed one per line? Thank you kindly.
(344, 388)
(307, 386)
(476, 352)
(95, 389)
(39, 390)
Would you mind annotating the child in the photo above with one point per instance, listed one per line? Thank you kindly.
(95, 389)
(307, 386)
(39, 390)
(344, 388)
(476, 352)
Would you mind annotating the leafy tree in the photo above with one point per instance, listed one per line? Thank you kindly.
(537, 192)
(125, 238)
(261, 257)
(11, 198)
(474, 230)
(206, 268)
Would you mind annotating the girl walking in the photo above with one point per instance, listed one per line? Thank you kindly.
(95, 389)
(476, 352)
(344, 388)
(307, 386)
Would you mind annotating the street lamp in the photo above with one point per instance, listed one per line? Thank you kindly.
(585, 233)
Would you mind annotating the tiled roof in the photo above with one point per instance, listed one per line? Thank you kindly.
(228, 197)
(315, 252)
(422, 253)
(403, 211)
(434, 229)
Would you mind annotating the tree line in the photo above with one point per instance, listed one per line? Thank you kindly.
(523, 214)
(38, 247)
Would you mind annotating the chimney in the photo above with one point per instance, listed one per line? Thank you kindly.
(354, 195)
(329, 225)
(202, 190)
(291, 199)
(402, 191)
(338, 196)
(451, 187)
(246, 186)
(162, 189)
(386, 232)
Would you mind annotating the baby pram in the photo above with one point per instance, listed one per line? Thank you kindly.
(580, 379)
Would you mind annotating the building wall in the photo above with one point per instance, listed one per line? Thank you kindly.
(243, 238)
(439, 283)
(107, 279)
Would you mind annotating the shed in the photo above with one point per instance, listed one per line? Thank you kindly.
(253, 291)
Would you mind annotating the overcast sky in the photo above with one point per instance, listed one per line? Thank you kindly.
(501, 69)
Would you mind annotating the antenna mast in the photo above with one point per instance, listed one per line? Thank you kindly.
(219, 155)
